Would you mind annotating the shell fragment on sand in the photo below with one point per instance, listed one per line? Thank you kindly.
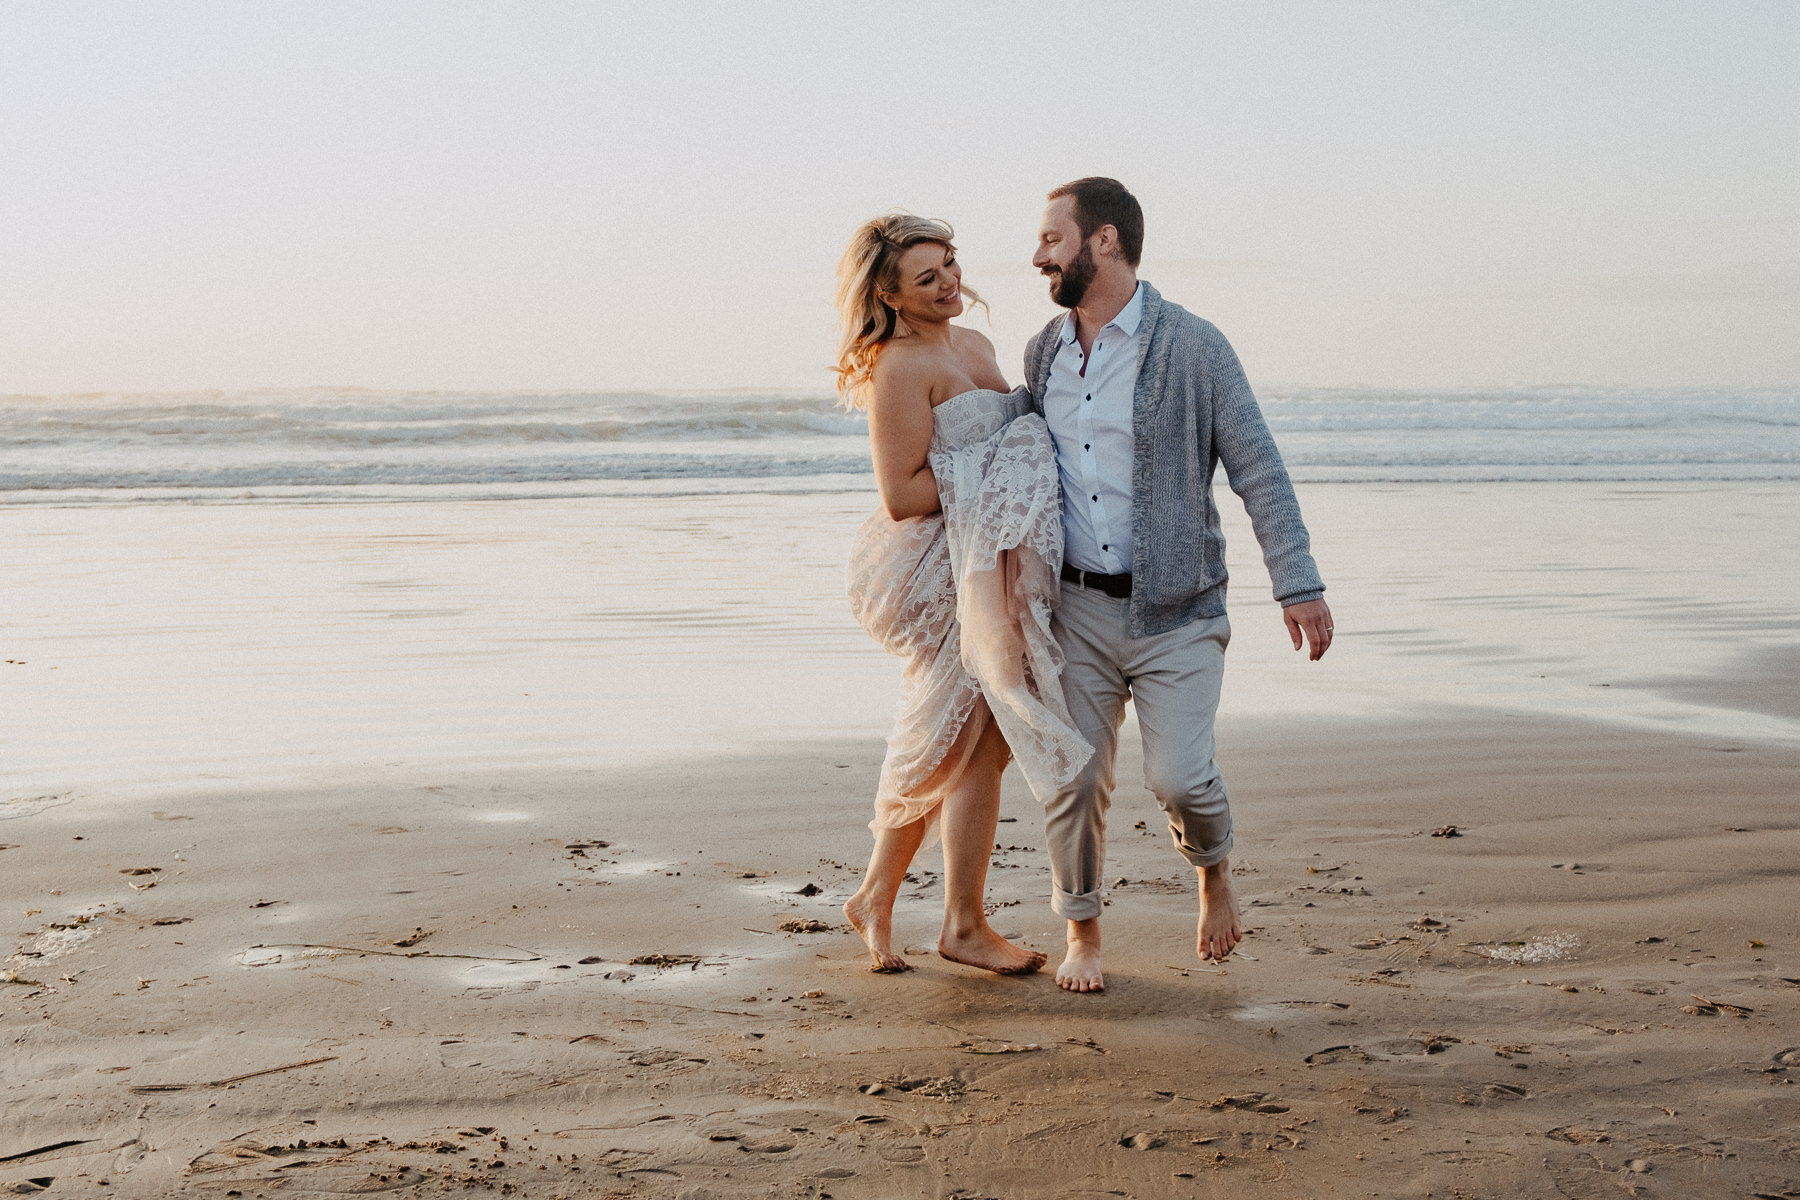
(1712, 1008)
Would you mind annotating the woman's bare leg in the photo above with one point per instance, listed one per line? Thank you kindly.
(871, 910)
(970, 815)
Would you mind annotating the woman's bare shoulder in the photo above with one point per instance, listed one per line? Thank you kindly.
(971, 338)
(902, 374)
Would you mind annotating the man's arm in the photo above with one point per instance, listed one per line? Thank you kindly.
(1255, 471)
(1033, 348)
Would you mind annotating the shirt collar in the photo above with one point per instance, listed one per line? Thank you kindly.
(1128, 320)
(1133, 313)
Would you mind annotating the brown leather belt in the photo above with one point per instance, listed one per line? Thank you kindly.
(1116, 586)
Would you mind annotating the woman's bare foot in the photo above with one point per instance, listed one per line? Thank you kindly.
(982, 947)
(1221, 925)
(1080, 970)
(875, 923)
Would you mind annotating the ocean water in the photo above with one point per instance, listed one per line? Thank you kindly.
(242, 590)
(353, 444)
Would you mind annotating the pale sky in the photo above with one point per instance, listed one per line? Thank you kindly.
(654, 195)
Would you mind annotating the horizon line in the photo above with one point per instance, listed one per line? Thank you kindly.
(822, 391)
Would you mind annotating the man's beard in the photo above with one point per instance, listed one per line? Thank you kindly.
(1070, 284)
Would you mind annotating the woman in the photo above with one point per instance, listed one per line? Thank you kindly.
(956, 572)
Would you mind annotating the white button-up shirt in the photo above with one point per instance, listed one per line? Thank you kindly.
(1087, 404)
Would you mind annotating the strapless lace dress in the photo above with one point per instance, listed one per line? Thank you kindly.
(964, 596)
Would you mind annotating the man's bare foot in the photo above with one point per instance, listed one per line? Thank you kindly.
(1080, 970)
(874, 922)
(1221, 925)
(982, 947)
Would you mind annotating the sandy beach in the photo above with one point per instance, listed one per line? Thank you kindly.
(436, 746)
(1512, 1011)
(324, 903)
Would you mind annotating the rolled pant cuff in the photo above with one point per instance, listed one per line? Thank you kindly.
(1073, 906)
(1206, 858)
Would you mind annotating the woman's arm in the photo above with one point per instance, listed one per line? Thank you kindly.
(900, 437)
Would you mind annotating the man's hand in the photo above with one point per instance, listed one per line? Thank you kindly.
(1314, 619)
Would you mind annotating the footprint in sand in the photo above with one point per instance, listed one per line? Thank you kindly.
(653, 1057)
(1332, 1054)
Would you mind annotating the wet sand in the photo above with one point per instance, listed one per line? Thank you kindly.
(161, 649)
(427, 984)
(331, 833)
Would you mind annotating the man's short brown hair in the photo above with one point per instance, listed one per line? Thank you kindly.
(1102, 201)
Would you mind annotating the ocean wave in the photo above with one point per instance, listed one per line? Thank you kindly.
(416, 419)
(221, 471)
(344, 438)
(425, 418)
(1620, 409)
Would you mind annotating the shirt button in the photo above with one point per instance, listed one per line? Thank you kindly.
(1093, 497)
(1106, 547)
(1089, 396)
(1086, 446)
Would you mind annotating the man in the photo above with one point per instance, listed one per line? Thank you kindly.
(1143, 399)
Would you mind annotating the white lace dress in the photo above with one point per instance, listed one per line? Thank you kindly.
(964, 596)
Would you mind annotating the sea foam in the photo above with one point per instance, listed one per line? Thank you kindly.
(343, 443)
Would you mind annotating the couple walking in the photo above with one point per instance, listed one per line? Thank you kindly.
(1042, 554)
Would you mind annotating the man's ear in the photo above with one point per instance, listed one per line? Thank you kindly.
(1109, 241)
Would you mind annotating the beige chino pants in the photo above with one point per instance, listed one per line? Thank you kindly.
(1172, 680)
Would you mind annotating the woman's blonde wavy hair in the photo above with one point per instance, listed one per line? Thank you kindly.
(870, 266)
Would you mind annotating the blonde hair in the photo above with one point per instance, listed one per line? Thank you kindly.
(870, 266)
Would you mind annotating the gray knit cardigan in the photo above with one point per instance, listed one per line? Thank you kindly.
(1193, 409)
